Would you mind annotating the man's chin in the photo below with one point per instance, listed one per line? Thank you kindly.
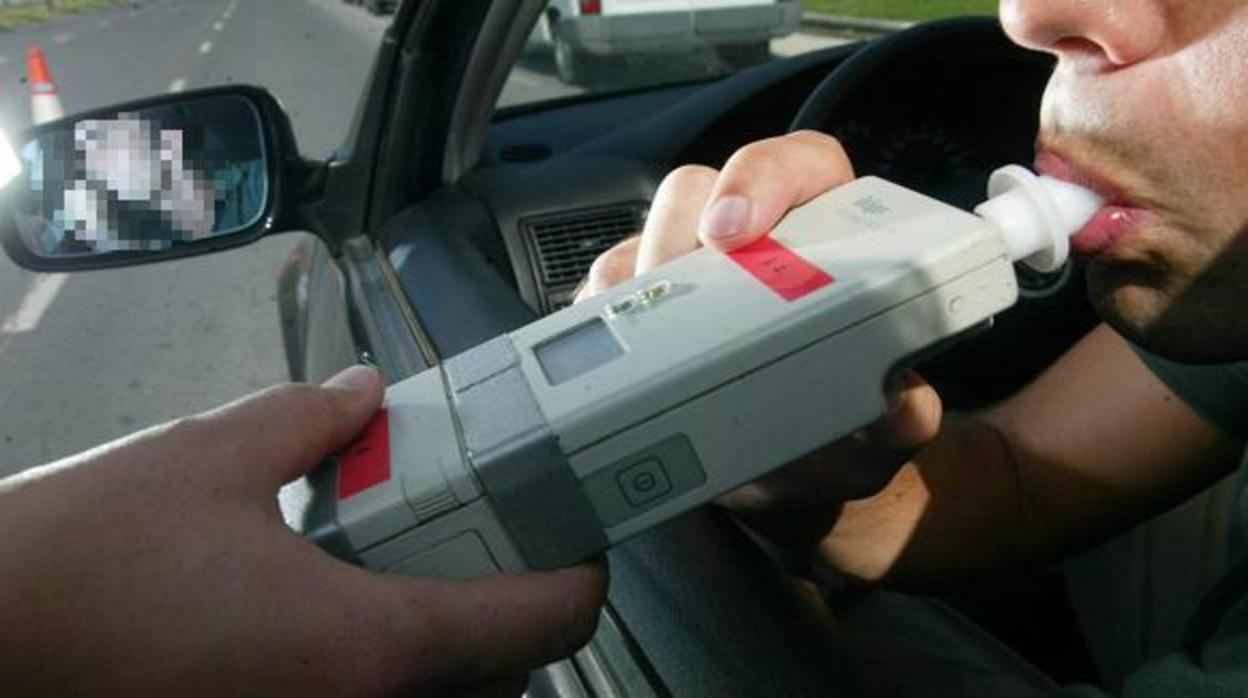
(1177, 329)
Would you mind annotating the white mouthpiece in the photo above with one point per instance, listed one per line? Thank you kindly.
(1037, 215)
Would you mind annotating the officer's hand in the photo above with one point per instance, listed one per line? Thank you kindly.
(160, 565)
(727, 209)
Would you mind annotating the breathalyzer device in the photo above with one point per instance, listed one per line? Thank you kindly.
(546, 445)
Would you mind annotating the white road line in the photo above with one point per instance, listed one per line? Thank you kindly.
(40, 296)
(177, 85)
(205, 47)
(218, 26)
(64, 38)
(104, 24)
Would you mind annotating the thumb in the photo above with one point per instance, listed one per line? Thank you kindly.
(913, 421)
(286, 430)
(870, 458)
(494, 627)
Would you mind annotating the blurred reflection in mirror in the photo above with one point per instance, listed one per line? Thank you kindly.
(145, 180)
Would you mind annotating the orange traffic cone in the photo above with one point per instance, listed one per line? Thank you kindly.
(45, 103)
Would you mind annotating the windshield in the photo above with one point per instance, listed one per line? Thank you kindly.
(604, 46)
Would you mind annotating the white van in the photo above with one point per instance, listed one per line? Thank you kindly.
(586, 33)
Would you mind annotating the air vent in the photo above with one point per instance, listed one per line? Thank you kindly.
(524, 152)
(566, 244)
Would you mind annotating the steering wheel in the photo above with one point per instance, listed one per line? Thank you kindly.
(843, 84)
(1052, 313)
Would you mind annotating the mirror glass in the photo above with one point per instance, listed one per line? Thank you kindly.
(145, 180)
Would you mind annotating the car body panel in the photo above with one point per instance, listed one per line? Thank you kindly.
(624, 28)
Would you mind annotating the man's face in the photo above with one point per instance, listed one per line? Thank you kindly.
(119, 152)
(1149, 105)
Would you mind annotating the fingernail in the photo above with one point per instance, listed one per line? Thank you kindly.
(355, 378)
(726, 218)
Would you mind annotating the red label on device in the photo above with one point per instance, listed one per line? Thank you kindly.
(780, 269)
(366, 462)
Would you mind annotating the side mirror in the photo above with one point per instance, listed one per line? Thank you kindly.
(147, 181)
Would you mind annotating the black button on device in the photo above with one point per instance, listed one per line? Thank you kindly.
(644, 482)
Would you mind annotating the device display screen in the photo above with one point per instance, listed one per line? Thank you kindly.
(578, 351)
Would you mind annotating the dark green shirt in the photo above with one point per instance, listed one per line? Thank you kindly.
(1213, 658)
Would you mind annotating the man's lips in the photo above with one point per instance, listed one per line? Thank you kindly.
(1105, 229)
(1117, 220)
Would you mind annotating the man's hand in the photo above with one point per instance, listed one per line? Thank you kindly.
(727, 209)
(160, 565)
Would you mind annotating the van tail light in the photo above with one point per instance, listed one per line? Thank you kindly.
(591, 7)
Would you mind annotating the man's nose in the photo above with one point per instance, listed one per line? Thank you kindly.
(1104, 34)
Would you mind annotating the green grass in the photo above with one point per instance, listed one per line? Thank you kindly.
(13, 17)
(914, 10)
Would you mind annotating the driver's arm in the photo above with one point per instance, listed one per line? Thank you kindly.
(1096, 443)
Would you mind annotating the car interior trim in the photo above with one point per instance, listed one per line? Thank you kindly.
(502, 37)
(378, 321)
(426, 81)
(613, 666)
(428, 352)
